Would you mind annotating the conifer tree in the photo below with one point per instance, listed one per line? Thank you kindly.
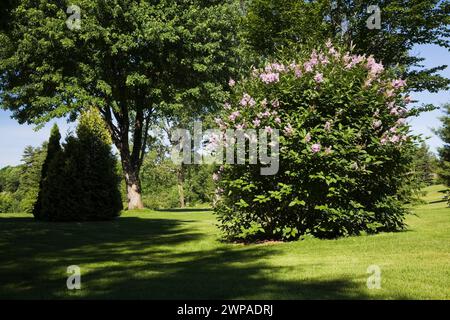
(53, 149)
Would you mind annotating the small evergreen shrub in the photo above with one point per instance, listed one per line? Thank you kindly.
(53, 150)
(345, 148)
(81, 182)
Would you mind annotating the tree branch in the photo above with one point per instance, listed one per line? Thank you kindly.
(144, 142)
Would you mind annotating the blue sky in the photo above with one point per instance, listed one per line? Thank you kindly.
(14, 137)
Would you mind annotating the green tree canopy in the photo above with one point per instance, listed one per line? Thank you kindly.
(133, 60)
(273, 24)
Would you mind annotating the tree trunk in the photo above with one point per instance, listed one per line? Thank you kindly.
(131, 159)
(133, 189)
(180, 182)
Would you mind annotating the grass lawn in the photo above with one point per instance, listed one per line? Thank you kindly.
(176, 254)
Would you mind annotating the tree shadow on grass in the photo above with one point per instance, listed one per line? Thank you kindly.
(438, 201)
(224, 274)
(133, 258)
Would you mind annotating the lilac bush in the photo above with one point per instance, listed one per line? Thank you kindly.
(344, 149)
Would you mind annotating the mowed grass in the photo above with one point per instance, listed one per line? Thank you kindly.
(177, 255)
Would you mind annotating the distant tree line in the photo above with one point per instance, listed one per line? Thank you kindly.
(19, 185)
(162, 188)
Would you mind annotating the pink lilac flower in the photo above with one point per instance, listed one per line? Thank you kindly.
(278, 67)
(244, 100)
(240, 126)
(275, 103)
(231, 83)
(328, 44)
(394, 139)
(316, 147)
(334, 53)
(390, 93)
(324, 60)
(314, 58)
(407, 99)
(358, 59)
(234, 115)
(346, 58)
(318, 78)
(214, 141)
(269, 77)
(393, 130)
(355, 59)
(314, 61)
(265, 114)
(308, 67)
(397, 84)
(383, 140)
(401, 121)
(308, 137)
(256, 122)
(298, 72)
(268, 129)
(216, 176)
(374, 67)
(247, 100)
(277, 120)
(264, 102)
(327, 126)
(376, 124)
(288, 130)
(368, 82)
(394, 111)
(227, 106)
(402, 111)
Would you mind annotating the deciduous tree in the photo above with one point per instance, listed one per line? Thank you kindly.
(133, 60)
